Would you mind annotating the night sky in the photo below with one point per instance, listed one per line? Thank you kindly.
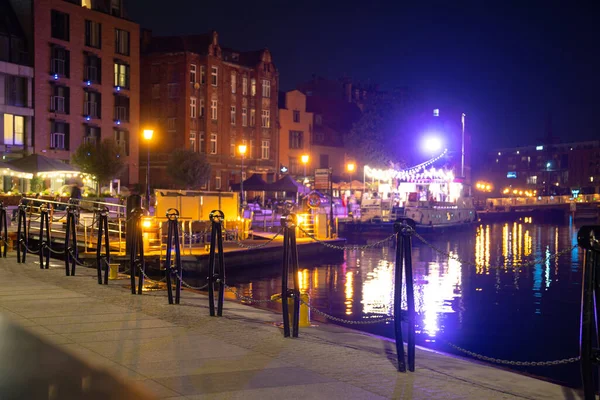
(507, 64)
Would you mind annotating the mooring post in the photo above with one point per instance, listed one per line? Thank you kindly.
(44, 238)
(398, 226)
(216, 265)
(136, 255)
(173, 241)
(22, 238)
(103, 261)
(588, 238)
(71, 239)
(290, 265)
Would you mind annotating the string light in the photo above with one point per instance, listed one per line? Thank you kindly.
(418, 173)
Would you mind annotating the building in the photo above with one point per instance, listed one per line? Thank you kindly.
(16, 84)
(86, 76)
(209, 98)
(547, 168)
(295, 134)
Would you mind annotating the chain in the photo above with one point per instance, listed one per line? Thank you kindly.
(80, 263)
(347, 321)
(473, 264)
(515, 363)
(347, 247)
(187, 285)
(259, 246)
(28, 249)
(53, 251)
(150, 279)
(246, 298)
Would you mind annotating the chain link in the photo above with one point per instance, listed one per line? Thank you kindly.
(347, 247)
(258, 246)
(28, 249)
(150, 279)
(346, 321)
(515, 363)
(187, 285)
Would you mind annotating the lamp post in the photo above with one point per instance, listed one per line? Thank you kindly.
(304, 158)
(350, 168)
(148, 136)
(242, 150)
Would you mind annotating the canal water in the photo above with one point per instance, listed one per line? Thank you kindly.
(488, 304)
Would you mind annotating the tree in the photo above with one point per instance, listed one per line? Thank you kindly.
(103, 160)
(189, 170)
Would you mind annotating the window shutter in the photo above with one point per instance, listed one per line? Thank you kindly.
(67, 136)
(99, 69)
(67, 92)
(99, 105)
(127, 143)
(67, 63)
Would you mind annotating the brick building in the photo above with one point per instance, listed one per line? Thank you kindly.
(86, 86)
(200, 95)
(295, 134)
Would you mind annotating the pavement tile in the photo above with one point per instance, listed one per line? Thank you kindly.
(109, 326)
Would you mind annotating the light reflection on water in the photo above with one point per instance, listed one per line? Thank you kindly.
(491, 304)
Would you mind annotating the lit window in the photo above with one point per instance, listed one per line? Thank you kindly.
(214, 75)
(539, 148)
(213, 143)
(245, 85)
(201, 108)
(192, 107)
(93, 34)
(253, 87)
(202, 74)
(252, 117)
(213, 110)
(233, 81)
(86, 3)
(232, 115)
(244, 117)
(266, 88)
(193, 140)
(266, 119)
(121, 74)
(121, 42)
(14, 129)
(265, 150)
(193, 73)
(232, 147)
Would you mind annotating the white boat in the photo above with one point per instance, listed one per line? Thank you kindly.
(432, 215)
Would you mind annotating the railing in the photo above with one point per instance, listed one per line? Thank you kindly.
(543, 200)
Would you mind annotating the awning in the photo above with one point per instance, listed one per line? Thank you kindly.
(43, 166)
(254, 183)
(288, 184)
(7, 169)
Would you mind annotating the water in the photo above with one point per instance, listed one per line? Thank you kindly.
(521, 314)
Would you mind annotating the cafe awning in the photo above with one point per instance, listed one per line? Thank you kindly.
(43, 166)
(7, 169)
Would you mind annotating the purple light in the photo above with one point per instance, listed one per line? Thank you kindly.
(55, 77)
(87, 118)
(118, 88)
(118, 122)
(89, 83)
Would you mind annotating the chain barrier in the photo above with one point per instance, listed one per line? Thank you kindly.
(515, 363)
(187, 285)
(80, 263)
(30, 250)
(151, 280)
(347, 247)
(347, 321)
(258, 246)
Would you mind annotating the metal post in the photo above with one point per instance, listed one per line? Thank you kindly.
(103, 260)
(22, 237)
(242, 188)
(331, 229)
(587, 238)
(148, 178)
(3, 229)
(44, 239)
(285, 277)
(290, 265)
(398, 297)
(173, 241)
(70, 242)
(462, 161)
(216, 275)
(136, 255)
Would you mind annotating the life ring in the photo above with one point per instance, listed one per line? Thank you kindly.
(313, 200)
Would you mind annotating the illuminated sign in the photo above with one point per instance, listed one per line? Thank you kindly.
(283, 169)
(436, 112)
(539, 147)
(511, 174)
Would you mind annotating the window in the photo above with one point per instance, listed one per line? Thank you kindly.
(92, 135)
(202, 74)
(213, 143)
(12, 49)
(93, 71)
(250, 148)
(193, 140)
(296, 116)
(252, 117)
(122, 139)
(213, 110)
(86, 3)
(14, 129)
(193, 107)
(122, 42)
(324, 161)
(121, 75)
(244, 117)
(266, 88)
(266, 119)
(265, 153)
(296, 140)
(173, 89)
(245, 85)
(232, 115)
(193, 73)
(202, 142)
(59, 135)
(253, 87)
(318, 119)
(232, 147)
(217, 183)
(122, 108)
(59, 63)
(15, 91)
(293, 165)
(156, 91)
(532, 180)
(214, 75)
(91, 104)
(59, 101)
(93, 34)
(233, 81)
(201, 108)
(59, 25)
(115, 8)
(171, 124)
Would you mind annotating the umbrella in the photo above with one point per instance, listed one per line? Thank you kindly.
(254, 183)
(36, 163)
(288, 184)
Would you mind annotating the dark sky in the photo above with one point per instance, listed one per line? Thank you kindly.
(507, 64)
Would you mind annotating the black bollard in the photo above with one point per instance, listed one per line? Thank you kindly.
(134, 202)
(290, 265)
(136, 255)
(215, 256)
(404, 228)
(44, 237)
(173, 241)
(22, 238)
(102, 261)
(588, 238)
(3, 229)
(71, 240)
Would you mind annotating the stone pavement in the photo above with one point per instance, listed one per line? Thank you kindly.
(179, 352)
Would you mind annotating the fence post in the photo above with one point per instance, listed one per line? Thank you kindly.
(134, 202)
(216, 276)
(173, 240)
(71, 240)
(3, 229)
(290, 262)
(588, 239)
(102, 259)
(44, 239)
(22, 238)
(136, 254)
(404, 228)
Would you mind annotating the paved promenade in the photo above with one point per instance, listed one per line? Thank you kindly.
(179, 352)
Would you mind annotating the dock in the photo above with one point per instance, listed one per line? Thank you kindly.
(180, 352)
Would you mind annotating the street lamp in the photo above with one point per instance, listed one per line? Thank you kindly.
(350, 167)
(304, 159)
(242, 150)
(148, 136)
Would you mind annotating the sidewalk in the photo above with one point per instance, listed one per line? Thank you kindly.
(180, 352)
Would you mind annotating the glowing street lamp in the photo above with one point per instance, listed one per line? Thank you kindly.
(350, 167)
(432, 145)
(148, 133)
(242, 150)
(304, 158)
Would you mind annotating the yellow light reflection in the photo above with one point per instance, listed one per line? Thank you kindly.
(349, 292)
(303, 280)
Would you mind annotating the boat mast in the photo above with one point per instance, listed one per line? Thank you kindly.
(462, 161)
